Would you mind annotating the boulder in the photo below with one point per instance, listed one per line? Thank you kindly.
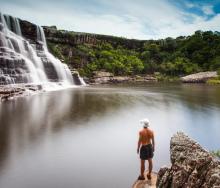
(191, 165)
(200, 77)
(101, 77)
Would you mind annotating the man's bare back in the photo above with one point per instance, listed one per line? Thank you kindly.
(145, 136)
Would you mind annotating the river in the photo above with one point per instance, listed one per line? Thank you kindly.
(87, 137)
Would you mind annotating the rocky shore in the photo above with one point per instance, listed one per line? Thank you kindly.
(10, 92)
(102, 77)
(191, 166)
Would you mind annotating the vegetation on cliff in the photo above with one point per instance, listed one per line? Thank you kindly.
(169, 57)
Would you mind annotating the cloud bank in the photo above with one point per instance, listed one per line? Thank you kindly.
(152, 19)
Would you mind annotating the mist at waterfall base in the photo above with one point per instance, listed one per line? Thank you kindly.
(24, 62)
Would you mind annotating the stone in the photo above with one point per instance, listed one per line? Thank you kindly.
(200, 77)
(192, 166)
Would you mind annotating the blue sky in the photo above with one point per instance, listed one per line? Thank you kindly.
(140, 19)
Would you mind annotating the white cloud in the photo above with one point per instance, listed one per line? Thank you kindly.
(208, 10)
(132, 19)
(189, 5)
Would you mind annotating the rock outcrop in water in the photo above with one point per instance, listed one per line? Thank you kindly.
(192, 166)
(8, 93)
(200, 77)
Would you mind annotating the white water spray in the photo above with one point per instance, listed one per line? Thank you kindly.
(23, 64)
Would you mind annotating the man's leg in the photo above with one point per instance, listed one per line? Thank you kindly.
(142, 167)
(150, 162)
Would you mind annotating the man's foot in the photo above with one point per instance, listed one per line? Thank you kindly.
(141, 178)
(149, 176)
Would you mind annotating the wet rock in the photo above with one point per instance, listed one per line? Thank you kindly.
(192, 166)
(76, 77)
(29, 30)
(9, 92)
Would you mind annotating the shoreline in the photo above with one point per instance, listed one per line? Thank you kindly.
(11, 92)
(102, 77)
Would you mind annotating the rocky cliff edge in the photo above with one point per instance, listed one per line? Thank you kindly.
(191, 166)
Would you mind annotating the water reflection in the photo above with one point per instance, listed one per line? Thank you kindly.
(86, 137)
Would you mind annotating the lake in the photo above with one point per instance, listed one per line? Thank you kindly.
(87, 137)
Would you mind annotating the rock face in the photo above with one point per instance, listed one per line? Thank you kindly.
(74, 38)
(102, 77)
(192, 166)
(66, 37)
(200, 77)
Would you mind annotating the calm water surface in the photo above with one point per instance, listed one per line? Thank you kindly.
(87, 137)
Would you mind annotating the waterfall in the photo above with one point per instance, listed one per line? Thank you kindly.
(62, 70)
(13, 24)
(23, 61)
(41, 36)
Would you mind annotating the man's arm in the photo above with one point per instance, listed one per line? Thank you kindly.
(139, 143)
(153, 142)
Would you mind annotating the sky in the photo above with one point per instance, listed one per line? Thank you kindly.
(138, 19)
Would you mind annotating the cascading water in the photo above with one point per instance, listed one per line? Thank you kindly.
(22, 61)
(15, 56)
(13, 24)
(62, 70)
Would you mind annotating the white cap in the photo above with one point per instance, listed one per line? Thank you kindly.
(145, 122)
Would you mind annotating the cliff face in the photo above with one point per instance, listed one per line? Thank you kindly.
(192, 166)
(77, 49)
(73, 38)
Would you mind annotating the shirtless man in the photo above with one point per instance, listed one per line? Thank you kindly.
(146, 147)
